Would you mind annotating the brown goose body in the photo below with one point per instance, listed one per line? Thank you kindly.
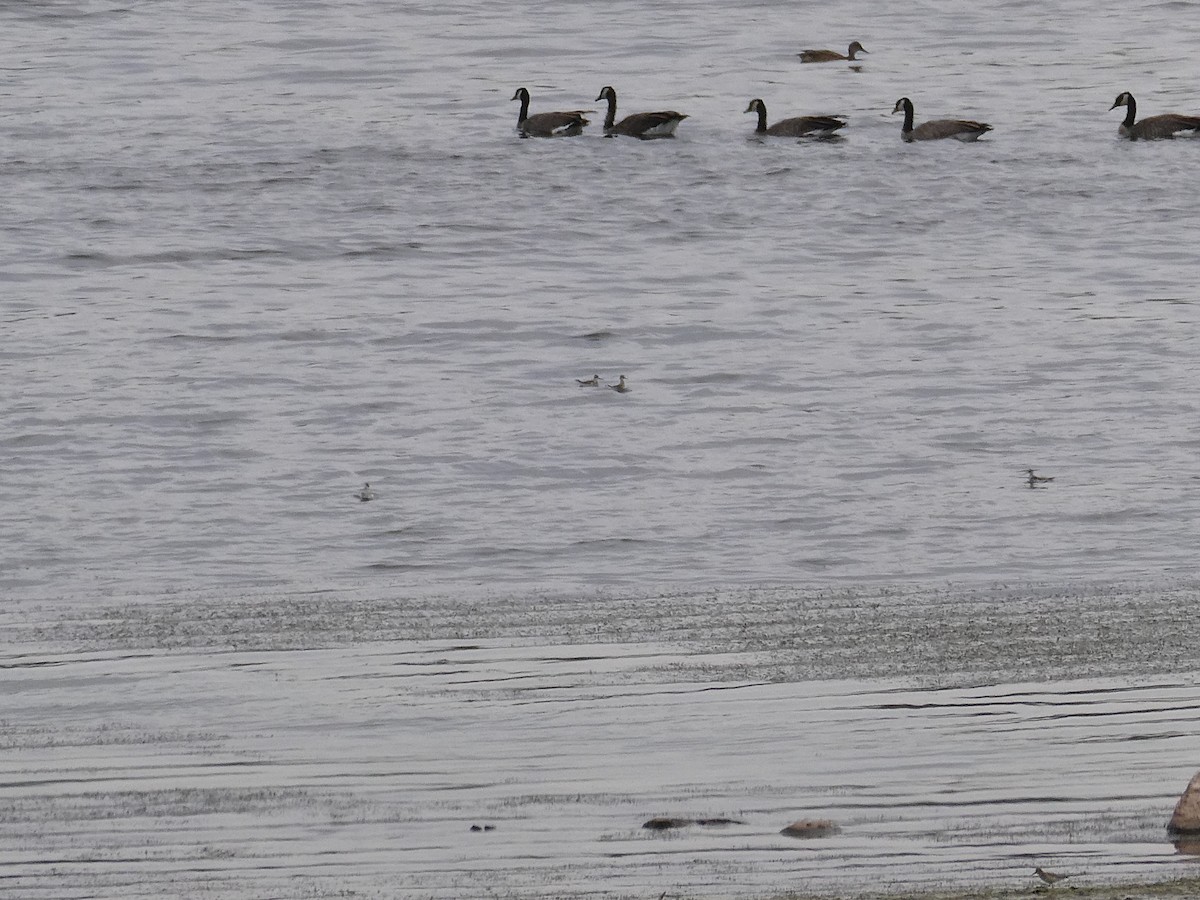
(937, 129)
(644, 125)
(815, 56)
(547, 124)
(800, 126)
(1152, 128)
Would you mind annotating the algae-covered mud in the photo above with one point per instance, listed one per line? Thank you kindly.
(1175, 888)
(352, 743)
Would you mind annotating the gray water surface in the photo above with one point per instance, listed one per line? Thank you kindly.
(257, 255)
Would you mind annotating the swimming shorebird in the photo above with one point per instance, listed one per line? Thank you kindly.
(621, 387)
(1034, 479)
(1049, 877)
(366, 493)
(594, 381)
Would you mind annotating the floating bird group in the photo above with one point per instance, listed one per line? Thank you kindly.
(620, 387)
(663, 123)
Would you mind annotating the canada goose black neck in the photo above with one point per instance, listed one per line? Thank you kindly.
(523, 95)
(761, 108)
(609, 93)
(905, 104)
(1130, 108)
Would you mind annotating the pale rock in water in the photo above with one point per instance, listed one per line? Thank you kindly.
(1186, 818)
(811, 828)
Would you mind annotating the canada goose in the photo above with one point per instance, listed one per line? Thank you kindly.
(1049, 877)
(935, 129)
(547, 124)
(810, 56)
(366, 493)
(1152, 127)
(800, 126)
(621, 387)
(594, 381)
(640, 125)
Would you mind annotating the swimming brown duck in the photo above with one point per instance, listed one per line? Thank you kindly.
(815, 56)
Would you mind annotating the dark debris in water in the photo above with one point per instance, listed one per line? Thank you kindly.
(667, 823)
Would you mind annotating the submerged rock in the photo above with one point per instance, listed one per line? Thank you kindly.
(1186, 818)
(811, 828)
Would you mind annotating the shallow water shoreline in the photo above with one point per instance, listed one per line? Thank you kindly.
(350, 739)
(943, 635)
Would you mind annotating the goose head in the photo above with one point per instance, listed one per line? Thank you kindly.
(1123, 99)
